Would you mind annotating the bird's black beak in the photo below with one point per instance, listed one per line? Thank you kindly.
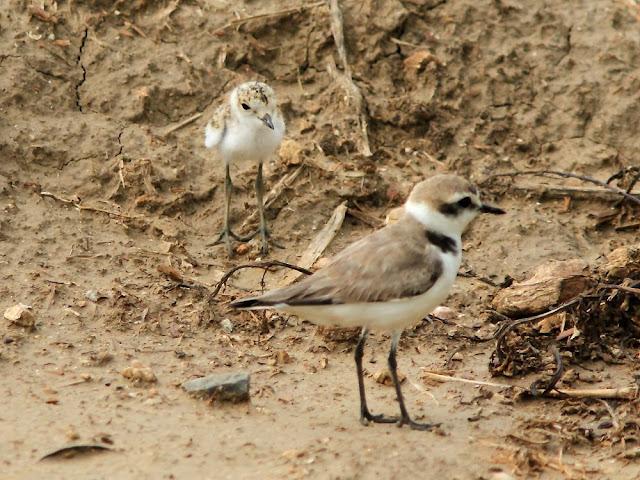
(491, 209)
(267, 121)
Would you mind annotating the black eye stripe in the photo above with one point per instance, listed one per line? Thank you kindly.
(454, 208)
(465, 202)
(449, 209)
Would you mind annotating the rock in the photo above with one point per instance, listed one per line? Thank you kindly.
(457, 357)
(383, 376)
(242, 248)
(94, 295)
(552, 283)
(139, 373)
(20, 315)
(445, 313)
(99, 359)
(291, 152)
(226, 325)
(230, 387)
(623, 262)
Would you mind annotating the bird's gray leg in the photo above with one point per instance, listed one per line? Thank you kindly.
(365, 414)
(228, 189)
(227, 233)
(393, 368)
(264, 231)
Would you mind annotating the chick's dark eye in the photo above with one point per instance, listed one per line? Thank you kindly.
(464, 202)
(246, 107)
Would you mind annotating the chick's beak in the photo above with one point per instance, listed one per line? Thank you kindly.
(491, 209)
(267, 121)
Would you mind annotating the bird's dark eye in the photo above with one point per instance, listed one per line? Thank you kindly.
(246, 107)
(464, 202)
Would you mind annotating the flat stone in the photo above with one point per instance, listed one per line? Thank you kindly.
(228, 387)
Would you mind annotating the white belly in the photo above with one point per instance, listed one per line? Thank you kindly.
(251, 142)
(391, 315)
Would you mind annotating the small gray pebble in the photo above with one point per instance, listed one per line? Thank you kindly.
(226, 325)
(231, 387)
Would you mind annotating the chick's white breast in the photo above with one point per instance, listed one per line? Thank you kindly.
(251, 140)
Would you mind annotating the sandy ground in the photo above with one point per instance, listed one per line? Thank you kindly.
(89, 92)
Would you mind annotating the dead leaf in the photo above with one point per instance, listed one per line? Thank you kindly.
(62, 42)
(553, 322)
(242, 248)
(282, 357)
(73, 450)
(171, 272)
(43, 15)
(418, 60)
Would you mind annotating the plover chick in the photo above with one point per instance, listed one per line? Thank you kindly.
(389, 279)
(248, 126)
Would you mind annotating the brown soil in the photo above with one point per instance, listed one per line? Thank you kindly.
(89, 90)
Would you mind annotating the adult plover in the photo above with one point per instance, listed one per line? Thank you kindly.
(248, 126)
(391, 278)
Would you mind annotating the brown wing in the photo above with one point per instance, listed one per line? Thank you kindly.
(394, 262)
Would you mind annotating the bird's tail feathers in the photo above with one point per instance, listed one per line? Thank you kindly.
(251, 303)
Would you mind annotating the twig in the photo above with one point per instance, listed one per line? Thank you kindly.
(553, 381)
(58, 282)
(472, 274)
(575, 192)
(135, 28)
(345, 79)
(557, 375)
(635, 180)
(121, 174)
(264, 265)
(502, 332)
(84, 207)
(506, 329)
(448, 378)
(320, 242)
(277, 190)
(626, 393)
(364, 217)
(397, 41)
(556, 173)
(280, 13)
(612, 414)
(181, 124)
(451, 355)
(337, 30)
(624, 288)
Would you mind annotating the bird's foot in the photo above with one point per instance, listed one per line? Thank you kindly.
(266, 239)
(225, 237)
(406, 420)
(367, 417)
